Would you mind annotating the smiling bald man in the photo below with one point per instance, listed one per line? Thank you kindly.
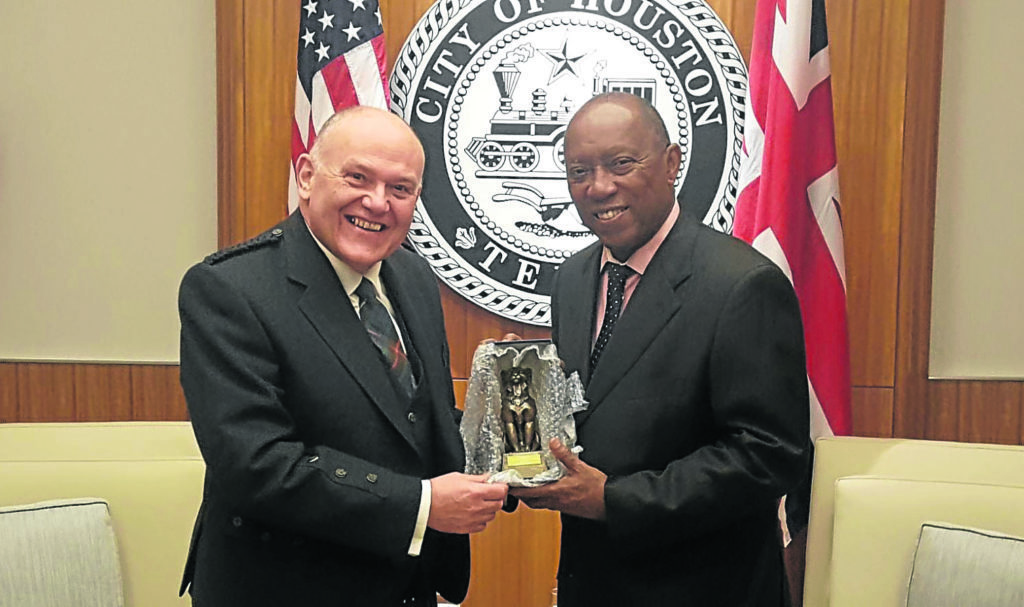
(315, 366)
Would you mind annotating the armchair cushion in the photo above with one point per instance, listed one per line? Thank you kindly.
(60, 552)
(963, 566)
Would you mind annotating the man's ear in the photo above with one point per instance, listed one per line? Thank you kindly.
(304, 175)
(674, 156)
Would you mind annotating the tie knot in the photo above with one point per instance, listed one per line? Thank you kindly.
(618, 273)
(366, 291)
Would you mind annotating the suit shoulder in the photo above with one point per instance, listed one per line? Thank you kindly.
(269, 238)
(730, 251)
(408, 264)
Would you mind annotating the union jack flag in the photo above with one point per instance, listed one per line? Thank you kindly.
(788, 206)
(342, 61)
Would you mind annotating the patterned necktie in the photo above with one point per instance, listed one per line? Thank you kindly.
(382, 331)
(617, 275)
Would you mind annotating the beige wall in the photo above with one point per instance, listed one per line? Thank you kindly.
(977, 284)
(107, 174)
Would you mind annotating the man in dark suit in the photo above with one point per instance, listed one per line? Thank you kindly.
(693, 363)
(315, 366)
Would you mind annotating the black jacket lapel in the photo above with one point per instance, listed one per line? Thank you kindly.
(576, 313)
(651, 307)
(324, 303)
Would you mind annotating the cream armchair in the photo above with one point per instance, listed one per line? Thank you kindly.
(150, 474)
(870, 497)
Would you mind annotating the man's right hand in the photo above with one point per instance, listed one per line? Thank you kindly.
(463, 503)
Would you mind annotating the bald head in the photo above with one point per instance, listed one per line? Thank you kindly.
(364, 118)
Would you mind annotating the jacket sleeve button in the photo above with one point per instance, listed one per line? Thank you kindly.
(341, 473)
(412, 417)
(237, 521)
(371, 477)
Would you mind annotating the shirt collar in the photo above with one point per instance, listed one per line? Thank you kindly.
(349, 278)
(641, 258)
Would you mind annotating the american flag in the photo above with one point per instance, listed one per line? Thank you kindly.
(788, 206)
(342, 61)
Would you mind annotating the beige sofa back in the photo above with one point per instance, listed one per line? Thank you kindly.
(151, 474)
(869, 497)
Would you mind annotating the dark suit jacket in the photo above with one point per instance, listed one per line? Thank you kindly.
(313, 473)
(698, 414)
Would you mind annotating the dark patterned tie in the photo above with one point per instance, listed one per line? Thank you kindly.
(382, 331)
(617, 275)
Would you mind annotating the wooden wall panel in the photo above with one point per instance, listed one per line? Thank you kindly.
(46, 392)
(230, 122)
(917, 214)
(990, 412)
(869, 140)
(63, 392)
(872, 412)
(270, 43)
(8, 393)
(156, 393)
(940, 417)
(515, 560)
(103, 392)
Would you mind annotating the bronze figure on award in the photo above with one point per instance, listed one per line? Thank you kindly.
(519, 422)
(518, 399)
(519, 411)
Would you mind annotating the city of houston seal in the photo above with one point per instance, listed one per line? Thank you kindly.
(490, 85)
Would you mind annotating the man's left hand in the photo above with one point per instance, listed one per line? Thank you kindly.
(579, 493)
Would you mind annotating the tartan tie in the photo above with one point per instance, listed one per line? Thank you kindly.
(617, 275)
(382, 332)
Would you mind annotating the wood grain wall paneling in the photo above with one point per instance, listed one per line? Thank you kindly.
(46, 392)
(1021, 424)
(156, 393)
(869, 173)
(270, 42)
(8, 393)
(230, 122)
(939, 417)
(990, 412)
(913, 418)
(872, 412)
(515, 560)
(103, 392)
(459, 387)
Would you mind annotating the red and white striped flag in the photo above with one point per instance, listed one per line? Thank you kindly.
(788, 206)
(342, 62)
